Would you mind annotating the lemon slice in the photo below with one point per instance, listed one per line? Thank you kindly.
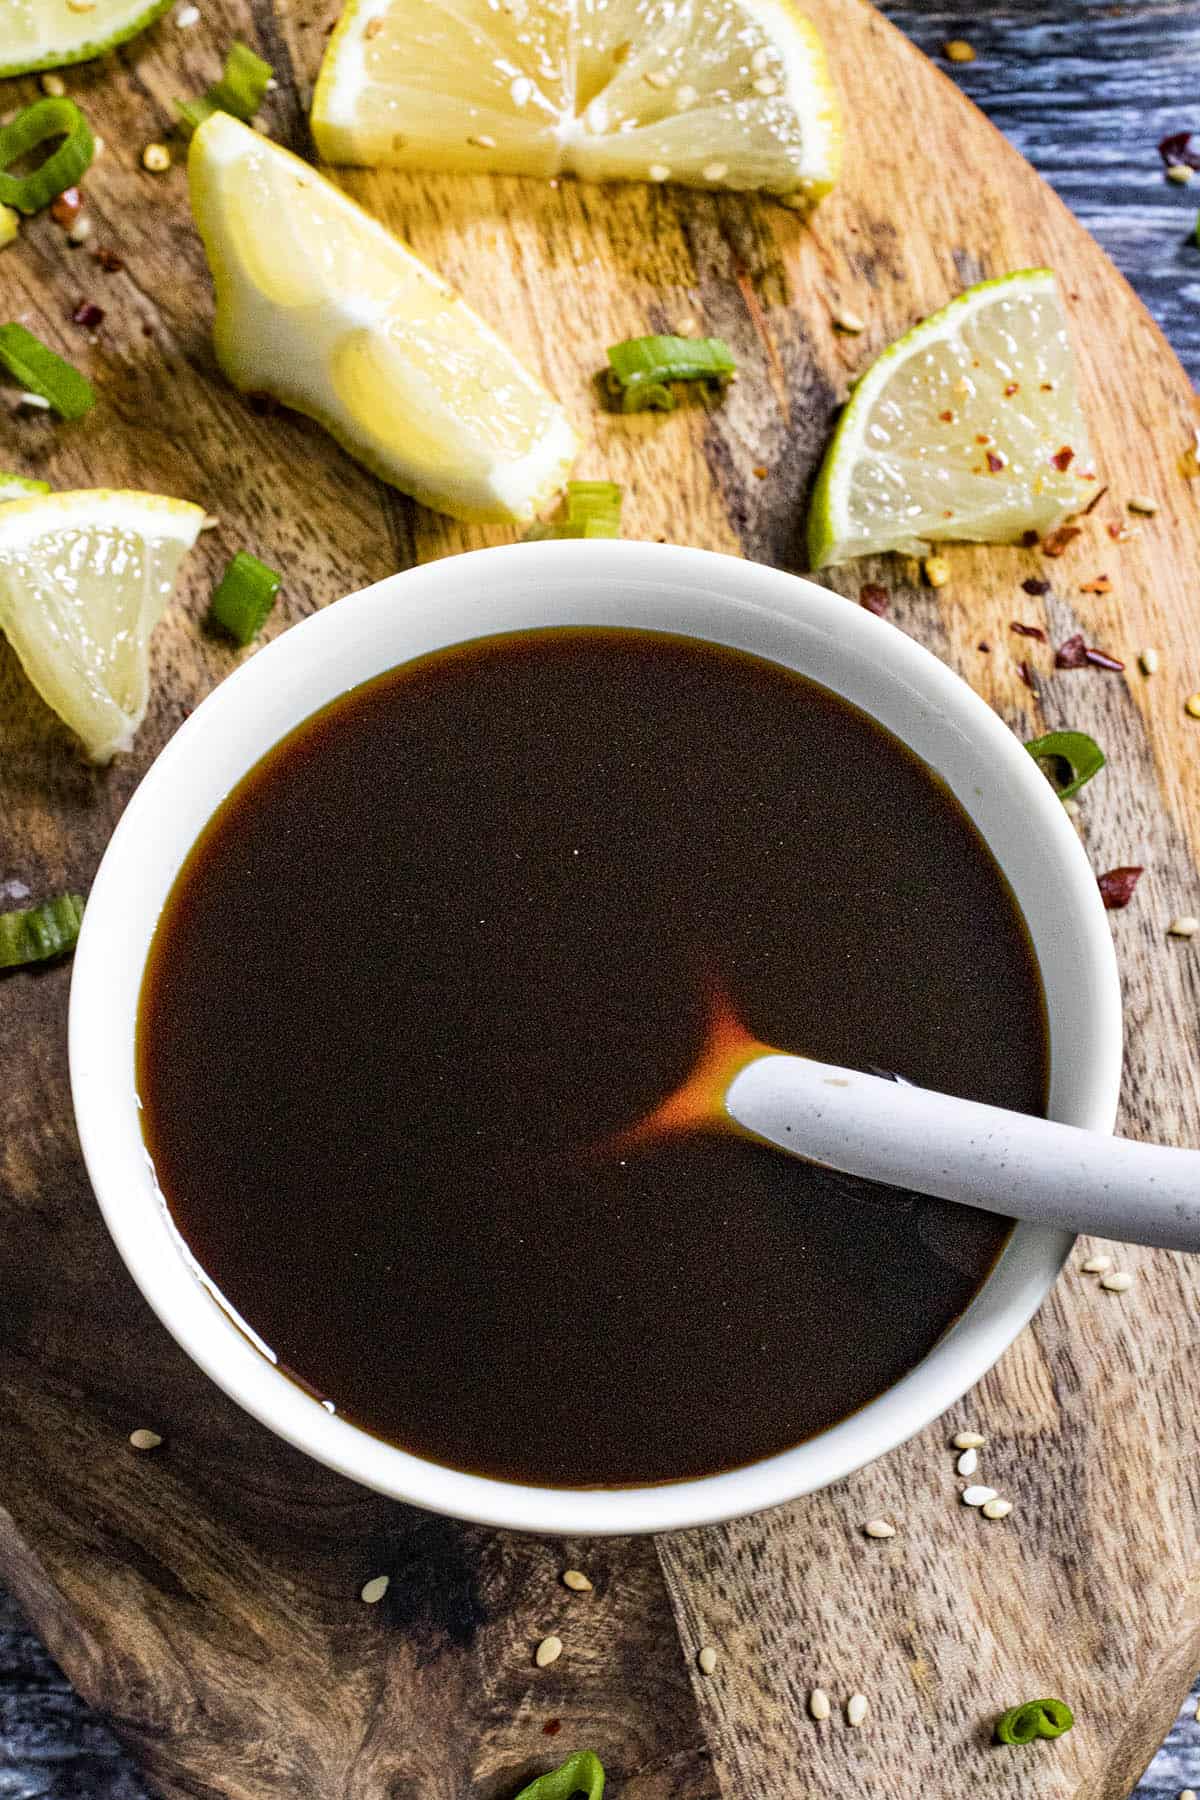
(968, 427)
(710, 93)
(84, 579)
(320, 306)
(47, 34)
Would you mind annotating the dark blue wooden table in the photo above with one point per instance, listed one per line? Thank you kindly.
(1085, 90)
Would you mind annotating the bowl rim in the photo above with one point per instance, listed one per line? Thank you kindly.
(105, 975)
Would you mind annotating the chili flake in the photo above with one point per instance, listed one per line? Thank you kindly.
(1055, 542)
(108, 260)
(874, 598)
(1013, 387)
(1033, 584)
(1075, 654)
(1099, 584)
(1026, 674)
(1116, 887)
(1175, 150)
(68, 206)
(1062, 459)
(88, 314)
(1029, 631)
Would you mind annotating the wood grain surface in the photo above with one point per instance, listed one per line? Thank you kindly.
(206, 1595)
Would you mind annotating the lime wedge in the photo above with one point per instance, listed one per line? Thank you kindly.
(47, 34)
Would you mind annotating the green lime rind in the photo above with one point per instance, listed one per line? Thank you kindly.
(824, 544)
(92, 48)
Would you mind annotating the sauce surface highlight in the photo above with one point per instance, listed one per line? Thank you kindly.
(463, 925)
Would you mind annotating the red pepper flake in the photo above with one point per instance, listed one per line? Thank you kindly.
(1096, 498)
(1026, 674)
(996, 461)
(1029, 540)
(1033, 584)
(874, 598)
(1029, 631)
(986, 648)
(1075, 654)
(1055, 542)
(1116, 887)
(760, 471)
(1176, 149)
(67, 208)
(88, 314)
(1099, 584)
(947, 418)
(983, 437)
(552, 1727)
(1120, 534)
(109, 261)
(1014, 387)
(1062, 459)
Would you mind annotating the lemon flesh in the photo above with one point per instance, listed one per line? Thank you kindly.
(84, 579)
(968, 428)
(321, 307)
(708, 93)
(48, 34)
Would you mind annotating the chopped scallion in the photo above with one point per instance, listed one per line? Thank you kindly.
(39, 932)
(1081, 754)
(36, 125)
(244, 596)
(240, 91)
(582, 1773)
(16, 487)
(1035, 1719)
(40, 371)
(641, 370)
(591, 509)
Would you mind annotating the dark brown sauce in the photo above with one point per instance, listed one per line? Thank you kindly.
(466, 921)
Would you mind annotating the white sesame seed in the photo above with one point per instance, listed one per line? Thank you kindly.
(969, 1440)
(1119, 1282)
(187, 16)
(548, 1651)
(1142, 503)
(156, 158)
(520, 90)
(715, 171)
(1096, 1265)
(1180, 173)
(685, 96)
(482, 142)
(38, 402)
(1148, 661)
(766, 85)
(818, 1704)
(760, 62)
(707, 1660)
(968, 1462)
(1185, 926)
(1191, 706)
(1187, 1794)
(97, 148)
(79, 230)
(272, 85)
(848, 322)
(209, 522)
(996, 1509)
(657, 78)
(687, 328)
(373, 1591)
(145, 1440)
(978, 1496)
(577, 1581)
(879, 1528)
(937, 570)
(856, 1709)
(659, 172)
(54, 85)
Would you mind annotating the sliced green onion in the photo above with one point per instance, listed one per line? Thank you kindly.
(591, 509)
(1081, 753)
(244, 596)
(40, 371)
(641, 369)
(39, 932)
(240, 91)
(582, 1773)
(16, 487)
(45, 119)
(1035, 1719)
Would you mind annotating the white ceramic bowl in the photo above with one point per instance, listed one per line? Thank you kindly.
(594, 583)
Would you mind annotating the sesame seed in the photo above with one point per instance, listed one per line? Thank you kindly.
(957, 50)
(687, 328)
(156, 158)
(1119, 1282)
(483, 141)
(1148, 661)
(937, 571)
(685, 96)
(968, 1462)
(766, 85)
(818, 1704)
(848, 322)
(977, 1496)
(38, 402)
(209, 522)
(1179, 173)
(1191, 706)
(879, 1528)
(97, 148)
(969, 1440)
(520, 90)
(80, 230)
(856, 1709)
(656, 78)
(996, 1509)
(187, 16)
(548, 1651)
(1142, 503)
(373, 1591)
(715, 171)
(659, 172)
(707, 1660)
(145, 1440)
(760, 62)
(1187, 1794)
(577, 1581)
(1096, 1265)
(54, 85)
(1185, 926)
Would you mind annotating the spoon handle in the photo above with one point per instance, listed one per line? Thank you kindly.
(985, 1156)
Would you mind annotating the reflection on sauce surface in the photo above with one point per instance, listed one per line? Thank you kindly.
(465, 922)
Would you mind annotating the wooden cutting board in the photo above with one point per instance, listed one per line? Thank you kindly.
(206, 1595)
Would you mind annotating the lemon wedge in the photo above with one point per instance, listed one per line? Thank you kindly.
(47, 34)
(968, 427)
(84, 579)
(321, 307)
(709, 93)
